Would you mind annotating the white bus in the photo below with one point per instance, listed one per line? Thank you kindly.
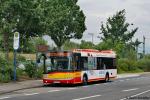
(79, 66)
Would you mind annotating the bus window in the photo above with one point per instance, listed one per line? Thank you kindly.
(109, 63)
(92, 63)
(84, 63)
(76, 61)
(99, 63)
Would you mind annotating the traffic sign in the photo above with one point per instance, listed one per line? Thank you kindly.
(16, 40)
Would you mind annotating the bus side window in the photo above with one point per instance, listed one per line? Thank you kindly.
(84, 63)
(99, 63)
(114, 63)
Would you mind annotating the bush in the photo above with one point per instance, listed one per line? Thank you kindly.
(126, 65)
(39, 73)
(6, 72)
(30, 69)
(144, 64)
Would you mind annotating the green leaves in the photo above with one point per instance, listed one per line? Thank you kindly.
(116, 28)
(63, 20)
(116, 34)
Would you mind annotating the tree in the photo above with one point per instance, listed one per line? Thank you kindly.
(23, 16)
(86, 45)
(63, 20)
(116, 28)
(32, 44)
(7, 24)
(116, 32)
(69, 45)
(136, 44)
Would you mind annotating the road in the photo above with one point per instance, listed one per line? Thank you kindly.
(133, 88)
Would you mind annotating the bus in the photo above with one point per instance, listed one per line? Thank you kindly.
(79, 66)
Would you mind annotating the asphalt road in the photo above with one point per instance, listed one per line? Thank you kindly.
(133, 88)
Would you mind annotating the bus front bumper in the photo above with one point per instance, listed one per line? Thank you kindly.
(50, 81)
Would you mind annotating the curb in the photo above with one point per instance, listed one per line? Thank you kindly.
(5, 92)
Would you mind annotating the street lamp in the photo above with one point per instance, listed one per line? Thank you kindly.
(92, 34)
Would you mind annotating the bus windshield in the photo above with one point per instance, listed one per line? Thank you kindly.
(58, 64)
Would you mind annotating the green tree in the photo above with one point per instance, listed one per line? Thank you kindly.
(32, 44)
(116, 28)
(23, 16)
(116, 33)
(69, 45)
(86, 45)
(7, 24)
(63, 20)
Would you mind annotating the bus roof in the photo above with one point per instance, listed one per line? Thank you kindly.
(96, 53)
(85, 53)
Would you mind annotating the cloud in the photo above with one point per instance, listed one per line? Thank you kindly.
(137, 12)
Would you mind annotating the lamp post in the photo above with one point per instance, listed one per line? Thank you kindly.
(92, 34)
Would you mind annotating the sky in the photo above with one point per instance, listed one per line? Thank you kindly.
(97, 11)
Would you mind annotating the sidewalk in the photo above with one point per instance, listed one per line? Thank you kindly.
(126, 75)
(14, 86)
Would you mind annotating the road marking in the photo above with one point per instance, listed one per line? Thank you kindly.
(130, 89)
(135, 95)
(87, 97)
(54, 90)
(97, 84)
(27, 94)
(127, 79)
(105, 83)
(71, 88)
(85, 86)
(121, 80)
(4, 98)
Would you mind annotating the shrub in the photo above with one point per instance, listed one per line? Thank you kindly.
(126, 65)
(39, 73)
(144, 64)
(6, 72)
(30, 68)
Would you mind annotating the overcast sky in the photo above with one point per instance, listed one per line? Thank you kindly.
(97, 11)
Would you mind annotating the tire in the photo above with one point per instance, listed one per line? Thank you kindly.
(107, 78)
(85, 81)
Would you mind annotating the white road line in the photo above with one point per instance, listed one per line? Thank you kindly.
(121, 80)
(140, 93)
(136, 95)
(87, 97)
(4, 98)
(130, 89)
(97, 84)
(27, 94)
(71, 88)
(127, 79)
(54, 90)
(85, 86)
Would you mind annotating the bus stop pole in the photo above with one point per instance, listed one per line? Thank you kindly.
(15, 51)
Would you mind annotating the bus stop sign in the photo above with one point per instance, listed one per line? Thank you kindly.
(16, 40)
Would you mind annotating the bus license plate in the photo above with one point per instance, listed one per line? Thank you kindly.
(56, 82)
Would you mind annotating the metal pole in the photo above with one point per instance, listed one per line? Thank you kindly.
(15, 52)
(143, 45)
(92, 34)
(36, 64)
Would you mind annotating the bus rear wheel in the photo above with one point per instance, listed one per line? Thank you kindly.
(85, 80)
(107, 78)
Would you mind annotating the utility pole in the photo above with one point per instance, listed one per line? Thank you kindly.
(143, 45)
(92, 34)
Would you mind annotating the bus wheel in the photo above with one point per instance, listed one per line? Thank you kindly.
(85, 80)
(107, 78)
